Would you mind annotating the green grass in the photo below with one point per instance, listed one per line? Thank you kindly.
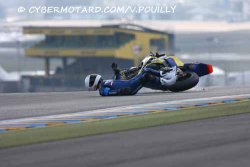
(46, 134)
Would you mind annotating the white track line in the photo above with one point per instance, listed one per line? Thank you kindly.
(122, 108)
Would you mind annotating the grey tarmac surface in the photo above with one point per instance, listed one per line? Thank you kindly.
(218, 142)
(39, 104)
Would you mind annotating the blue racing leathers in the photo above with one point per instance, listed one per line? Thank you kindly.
(132, 86)
(121, 87)
(161, 80)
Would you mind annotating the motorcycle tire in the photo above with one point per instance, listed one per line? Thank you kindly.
(189, 81)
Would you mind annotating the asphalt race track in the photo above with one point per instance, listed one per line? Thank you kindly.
(38, 104)
(219, 142)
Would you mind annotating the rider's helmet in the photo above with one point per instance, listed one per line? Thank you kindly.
(93, 81)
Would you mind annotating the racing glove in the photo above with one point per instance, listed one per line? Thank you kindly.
(116, 71)
(114, 66)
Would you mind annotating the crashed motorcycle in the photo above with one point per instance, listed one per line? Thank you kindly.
(188, 73)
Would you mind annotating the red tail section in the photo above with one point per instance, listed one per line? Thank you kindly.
(209, 68)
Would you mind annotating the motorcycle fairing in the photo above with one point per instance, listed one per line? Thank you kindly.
(177, 61)
(200, 69)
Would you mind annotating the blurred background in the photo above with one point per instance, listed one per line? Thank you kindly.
(48, 51)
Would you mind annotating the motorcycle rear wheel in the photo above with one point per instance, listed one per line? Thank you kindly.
(190, 80)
